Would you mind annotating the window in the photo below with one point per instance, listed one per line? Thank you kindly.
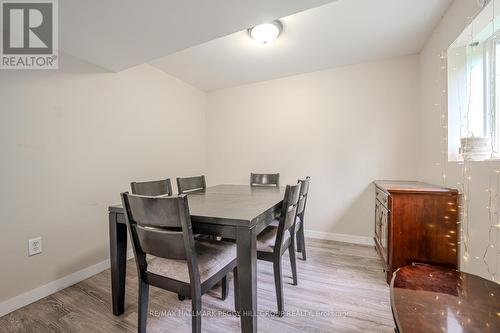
(473, 92)
(482, 90)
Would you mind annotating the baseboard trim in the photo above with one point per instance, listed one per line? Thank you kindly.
(361, 240)
(36, 294)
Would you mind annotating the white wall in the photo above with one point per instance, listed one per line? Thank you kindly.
(344, 127)
(431, 134)
(71, 140)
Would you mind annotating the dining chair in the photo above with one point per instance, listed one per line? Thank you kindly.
(152, 188)
(191, 184)
(265, 179)
(299, 223)
(160, 227)
(273, 242)
(164, 187)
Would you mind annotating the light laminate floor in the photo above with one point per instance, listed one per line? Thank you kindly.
(341, 289)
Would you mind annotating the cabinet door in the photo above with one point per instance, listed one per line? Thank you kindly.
(384, 230)
(377, 221)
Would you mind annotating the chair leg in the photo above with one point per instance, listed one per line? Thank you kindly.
(142, 313)
(302, 241)
(225, 287)
(293, 262)
(196, 313)
(278, 281)
(236, 291)
(298, 242)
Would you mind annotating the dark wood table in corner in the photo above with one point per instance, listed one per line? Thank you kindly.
(428, 299)
(237, 212)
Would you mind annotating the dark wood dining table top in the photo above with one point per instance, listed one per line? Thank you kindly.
(230, 204)
(427, 299)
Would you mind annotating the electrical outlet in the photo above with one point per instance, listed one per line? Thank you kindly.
(35, 246)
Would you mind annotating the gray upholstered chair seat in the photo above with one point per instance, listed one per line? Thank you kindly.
(212, 257)
(298, 223)
(267, 239)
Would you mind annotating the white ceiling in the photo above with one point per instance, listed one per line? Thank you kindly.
(118, 34)
(336, 34)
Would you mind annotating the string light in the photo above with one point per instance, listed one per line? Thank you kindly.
(465, 174)
(490, 255)
(493, 199)
(444, 121)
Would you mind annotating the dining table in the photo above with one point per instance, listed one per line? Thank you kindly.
(235, 212)
(435, 299)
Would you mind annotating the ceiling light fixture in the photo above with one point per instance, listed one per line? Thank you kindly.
(267, 32)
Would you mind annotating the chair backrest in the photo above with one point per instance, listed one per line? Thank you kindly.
(264, 179)
(191, 184)
(152, 188)
(160, 226)
(304, 190)
(288, 213)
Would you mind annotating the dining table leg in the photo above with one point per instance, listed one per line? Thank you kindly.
(118, 258)
(247, 278)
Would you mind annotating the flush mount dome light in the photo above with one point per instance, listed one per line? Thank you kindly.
(267, 32)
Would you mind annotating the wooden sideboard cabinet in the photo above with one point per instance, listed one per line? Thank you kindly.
(415, 222)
